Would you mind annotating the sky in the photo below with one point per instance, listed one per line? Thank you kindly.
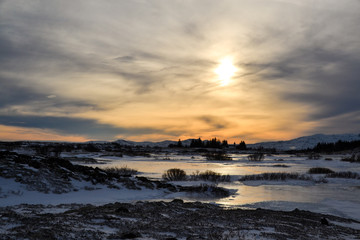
(253, 70)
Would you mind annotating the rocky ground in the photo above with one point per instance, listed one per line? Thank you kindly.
(168, 220)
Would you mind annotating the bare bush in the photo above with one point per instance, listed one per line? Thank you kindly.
(212, 190)
(314, 156)
(218, 156)
(209, 175)
(122, 171)
(275, 177)
(348, 174)
(256, 157)
(355, 157)
(174, 174)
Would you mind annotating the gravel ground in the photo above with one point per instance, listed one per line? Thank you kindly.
(168, 220)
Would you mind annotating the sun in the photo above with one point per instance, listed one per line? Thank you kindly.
(225, 71)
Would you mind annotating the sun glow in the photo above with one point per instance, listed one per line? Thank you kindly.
(225, 71)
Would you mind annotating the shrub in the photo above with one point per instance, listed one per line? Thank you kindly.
(343, 175)
(275, 177)
(122, 171)
(218, 156)
(314, 156)
(174, 174)
(320, 170)
(353, 158)
(256, 157)
(212, 190)
(209, 175)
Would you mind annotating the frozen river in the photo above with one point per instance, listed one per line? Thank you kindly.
(337, 196)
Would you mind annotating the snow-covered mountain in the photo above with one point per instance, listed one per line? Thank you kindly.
(306, 141)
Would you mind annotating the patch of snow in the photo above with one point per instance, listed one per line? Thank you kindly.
(14, 193)
(306, 141)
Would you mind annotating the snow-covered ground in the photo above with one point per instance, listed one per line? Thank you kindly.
(337, 196)
(30, 190)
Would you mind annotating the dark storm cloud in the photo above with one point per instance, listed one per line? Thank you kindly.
(74, 126)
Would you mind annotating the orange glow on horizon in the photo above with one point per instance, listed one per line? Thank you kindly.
(9, 133)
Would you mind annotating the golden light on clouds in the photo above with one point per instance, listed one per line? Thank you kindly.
(225, 71)
(178, 69)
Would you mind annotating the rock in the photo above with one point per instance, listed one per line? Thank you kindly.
(122, 210)
(130, 235)
(324, 221)
(180, 201)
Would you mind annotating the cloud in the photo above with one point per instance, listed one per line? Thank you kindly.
(325, 80)
(125, 59)
(17, 98)
(348, 122)
(314, 64)
(150, 60)
(75, 126)
(216, 123)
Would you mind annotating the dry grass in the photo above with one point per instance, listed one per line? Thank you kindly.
(122, 171)
(209, 175)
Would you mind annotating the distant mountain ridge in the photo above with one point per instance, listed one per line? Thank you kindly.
(306, 141)
(165, 143)
(293, 144)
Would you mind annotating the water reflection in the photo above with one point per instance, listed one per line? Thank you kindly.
(303, 192)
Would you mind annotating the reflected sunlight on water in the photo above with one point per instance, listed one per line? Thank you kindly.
(293, 191)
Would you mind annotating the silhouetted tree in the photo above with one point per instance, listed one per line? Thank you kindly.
(335, 147)
(224, 144)
(196, 143)
(241, 146)
(179, 144)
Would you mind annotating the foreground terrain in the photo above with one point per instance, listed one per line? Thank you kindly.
(168, 220)
(83, 195)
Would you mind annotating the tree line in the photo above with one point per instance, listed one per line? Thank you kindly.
(337, 146)
(212, 143)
